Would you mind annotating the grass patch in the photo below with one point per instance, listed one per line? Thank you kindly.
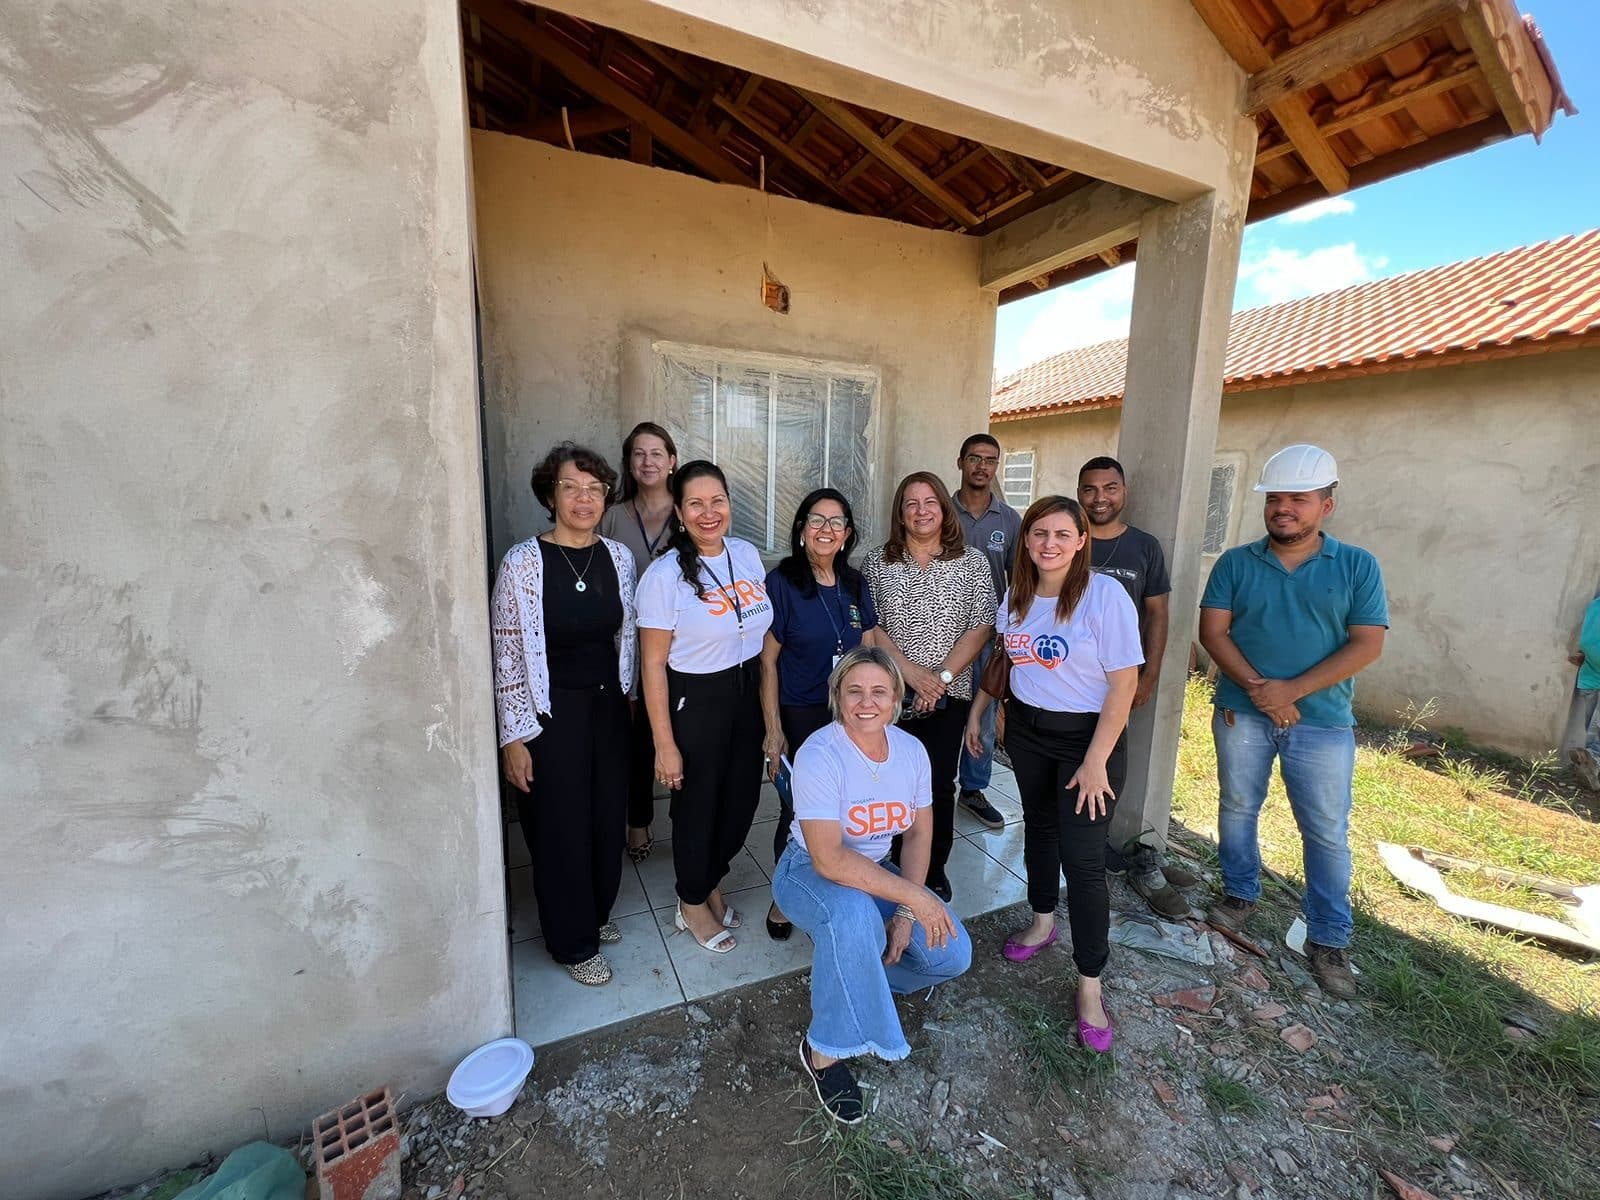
(1444, 987)
(1226, 1095)
(876, 1160)
(1050, 1044)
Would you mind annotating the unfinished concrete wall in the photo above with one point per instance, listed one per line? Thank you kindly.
(249, 846)
(1477, 493)
(1138, 92)
(582, 258)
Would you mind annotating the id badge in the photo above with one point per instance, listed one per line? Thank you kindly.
(836, 659)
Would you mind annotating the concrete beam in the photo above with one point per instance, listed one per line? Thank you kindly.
(1182, 298)
(1080, 225)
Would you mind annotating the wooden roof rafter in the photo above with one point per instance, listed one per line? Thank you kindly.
(1348, 92)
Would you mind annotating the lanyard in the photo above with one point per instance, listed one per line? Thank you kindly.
(729, 590)
(838, 634)
(650, 543)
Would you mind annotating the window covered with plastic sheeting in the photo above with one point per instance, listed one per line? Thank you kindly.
(1016, 481)
(1219, 507)
(777, 426)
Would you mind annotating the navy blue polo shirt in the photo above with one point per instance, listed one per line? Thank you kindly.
(812, 630)
(1284, 624)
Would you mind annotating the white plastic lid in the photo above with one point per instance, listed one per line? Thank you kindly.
(489, 1072)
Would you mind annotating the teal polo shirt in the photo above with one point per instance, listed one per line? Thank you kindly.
(1286, 623)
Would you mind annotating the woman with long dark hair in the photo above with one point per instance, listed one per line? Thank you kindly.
(642, 521)
(935, 600)
(703, 612)
(1072, 638)
(563, 663)
(821, 608)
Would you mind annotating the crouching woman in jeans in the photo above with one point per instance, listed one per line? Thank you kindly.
(858, 783)
(1072, 637)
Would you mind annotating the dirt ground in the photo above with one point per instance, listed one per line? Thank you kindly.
(1236, 1080)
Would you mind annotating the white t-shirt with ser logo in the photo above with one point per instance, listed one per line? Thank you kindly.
(706, 632)
(1063, 668)
(833, 782)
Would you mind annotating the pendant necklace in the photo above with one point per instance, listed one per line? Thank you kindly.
(873, 766)
(1110, 554)
(580, 585)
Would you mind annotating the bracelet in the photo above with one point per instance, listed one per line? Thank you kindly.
(904, 910)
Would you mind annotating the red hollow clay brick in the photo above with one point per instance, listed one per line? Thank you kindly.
(357, 1149)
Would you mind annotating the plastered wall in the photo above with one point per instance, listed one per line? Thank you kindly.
(1478, 491)
(1138, 92)
(584, 259)
(249, 847)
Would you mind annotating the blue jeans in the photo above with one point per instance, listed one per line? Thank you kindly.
(1317, 764)
(852, 1009)
(1591, 731)
(975, 773)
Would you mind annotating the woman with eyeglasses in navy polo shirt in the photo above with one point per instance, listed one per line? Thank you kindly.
(821, 608)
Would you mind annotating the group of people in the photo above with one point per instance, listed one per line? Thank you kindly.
(869, 692)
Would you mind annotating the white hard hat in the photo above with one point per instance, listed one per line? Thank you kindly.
(1299, 468)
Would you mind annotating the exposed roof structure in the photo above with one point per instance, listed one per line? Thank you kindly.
(1345, 92)
(1531, 300)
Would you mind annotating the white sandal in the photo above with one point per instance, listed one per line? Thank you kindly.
(730, 916)
(719, 943)
(591, 972)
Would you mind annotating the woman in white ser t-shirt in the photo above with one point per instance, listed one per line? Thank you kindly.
(858, 784)
(1073, 640)
(703, 613)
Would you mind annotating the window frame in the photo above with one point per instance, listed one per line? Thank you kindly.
(1230, 524)
(1033, 475)
(714, 360)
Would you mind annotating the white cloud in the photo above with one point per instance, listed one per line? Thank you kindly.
(1080, 314)
(1276, 274)
(1329, 206)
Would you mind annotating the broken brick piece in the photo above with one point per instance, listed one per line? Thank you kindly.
(1199, 999)
(1298, 1037)
(1240, 1174)
(357, 1149)
(1270, 1011)
(1253, 979)
(1442, 1144)
(1164, 1092)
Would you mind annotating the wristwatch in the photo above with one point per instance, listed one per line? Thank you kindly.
(945, 677)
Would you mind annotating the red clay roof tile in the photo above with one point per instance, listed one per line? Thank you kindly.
(1522, 301)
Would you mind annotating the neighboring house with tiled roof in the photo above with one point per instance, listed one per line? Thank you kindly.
(1463, 405)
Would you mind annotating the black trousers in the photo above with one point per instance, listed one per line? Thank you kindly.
(572, 817)
(716, 722)
(1046, 749)
(641, 769)
(799, 721)
(940, 733)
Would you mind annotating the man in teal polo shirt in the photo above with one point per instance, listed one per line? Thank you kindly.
(1290, 620)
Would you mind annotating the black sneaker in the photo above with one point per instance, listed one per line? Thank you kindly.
(978, 805)
(941, 888)
(836, 1088)
(1115, 863)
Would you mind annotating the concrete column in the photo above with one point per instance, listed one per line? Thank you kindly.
(1182, 299)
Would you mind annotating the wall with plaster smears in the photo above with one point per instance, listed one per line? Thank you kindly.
(584, 260)
(249, 837)
(1469, 485)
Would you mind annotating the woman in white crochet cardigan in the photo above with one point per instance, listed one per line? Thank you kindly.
(564, 641)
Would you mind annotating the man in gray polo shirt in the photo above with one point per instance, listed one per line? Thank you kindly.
(994, 527)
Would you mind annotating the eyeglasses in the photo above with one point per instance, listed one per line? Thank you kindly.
(983, 460)
(588, 491)
(818, 521)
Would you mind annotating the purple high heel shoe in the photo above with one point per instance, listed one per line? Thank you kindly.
(1097, 1037)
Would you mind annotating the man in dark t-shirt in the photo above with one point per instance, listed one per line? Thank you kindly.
(1134, 559)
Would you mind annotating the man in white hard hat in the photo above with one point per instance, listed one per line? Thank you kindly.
(1290, 620)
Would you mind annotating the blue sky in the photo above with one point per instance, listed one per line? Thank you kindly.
(1511, 194)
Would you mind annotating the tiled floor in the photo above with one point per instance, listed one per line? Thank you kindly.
(657, 967)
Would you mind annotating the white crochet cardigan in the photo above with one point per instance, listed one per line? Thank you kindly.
(521, 665)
